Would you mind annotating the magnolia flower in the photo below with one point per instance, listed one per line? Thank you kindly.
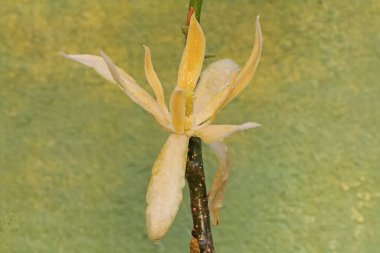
(194, 103)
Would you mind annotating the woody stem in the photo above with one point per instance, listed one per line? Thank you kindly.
(198, 194)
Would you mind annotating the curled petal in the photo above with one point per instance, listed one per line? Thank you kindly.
(249, 69)
(178, 110)
(192, 58)
(216, 195)
(135, 92)
(153, 80)
(213, 80)
(212, 133)
(165, 187)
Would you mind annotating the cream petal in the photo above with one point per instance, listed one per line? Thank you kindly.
(211, 109)
(213, 80)
(164, 193)
(246, 74)
(125, 82)
(93, 61)
(216, 195)
(212, 133)
(178, 110)
(153, 80)
(136, 93)
(192, 58)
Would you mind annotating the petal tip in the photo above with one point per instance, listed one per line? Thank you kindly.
(192, 18)
(108, 61)
(154, 232)
(194, 21)
(101, 52)
(258, 29)
(250, 125)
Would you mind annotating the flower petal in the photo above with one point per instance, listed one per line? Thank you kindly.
(104, 67)
(93, 61)
(136, 93)
(212, 133)
(165, 187)
(212, 108)
(192, 58)
(216, 195)
(214, 79)
(246, 74)
(178, 110)
(153, 80)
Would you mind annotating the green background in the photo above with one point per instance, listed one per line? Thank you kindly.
(76, 153)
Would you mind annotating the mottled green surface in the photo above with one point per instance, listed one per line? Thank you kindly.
(76, 154)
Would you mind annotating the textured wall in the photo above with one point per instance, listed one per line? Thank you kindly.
(76, 154)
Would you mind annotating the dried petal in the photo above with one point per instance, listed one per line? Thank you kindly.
(213, 80)
(212, 108)
(93, 61)
(135, 92)
(216, 195)
(125, 82)
(165, 187)
(153, 80)
(212, 133)
(249, 69)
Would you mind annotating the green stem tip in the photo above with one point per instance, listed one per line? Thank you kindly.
(197, 6)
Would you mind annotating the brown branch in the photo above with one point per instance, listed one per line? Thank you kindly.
(198, 194)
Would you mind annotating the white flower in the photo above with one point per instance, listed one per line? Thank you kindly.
(193, 106)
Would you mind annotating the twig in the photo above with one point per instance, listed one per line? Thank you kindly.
(198, 194)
